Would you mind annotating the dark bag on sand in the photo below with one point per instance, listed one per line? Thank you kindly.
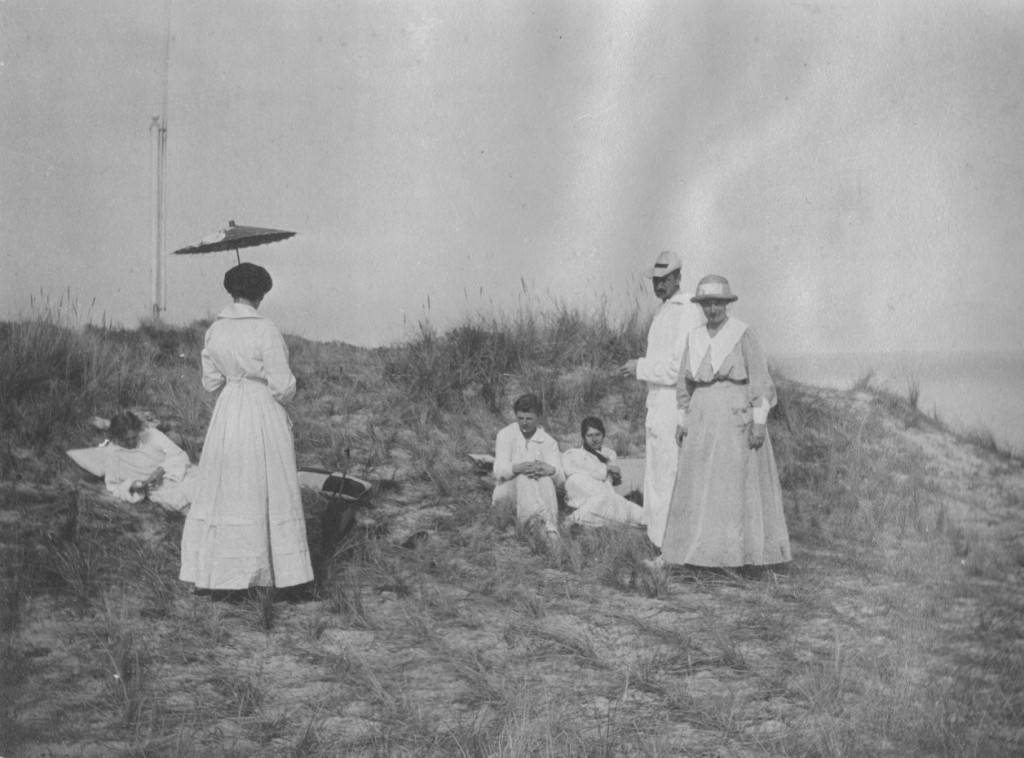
(343, 494)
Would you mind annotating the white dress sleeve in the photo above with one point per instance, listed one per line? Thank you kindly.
(280, 379)
(176, 460)
(213, 379)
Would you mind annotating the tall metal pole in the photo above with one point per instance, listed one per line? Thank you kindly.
(158, 128)
(158, 132)
(163, 217)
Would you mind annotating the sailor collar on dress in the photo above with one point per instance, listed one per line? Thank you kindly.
(238, 310)
(720, 345)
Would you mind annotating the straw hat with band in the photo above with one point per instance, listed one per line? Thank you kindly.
(713, 287)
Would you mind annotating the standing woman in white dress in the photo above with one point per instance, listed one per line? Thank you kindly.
(246, 526)
(726, 508)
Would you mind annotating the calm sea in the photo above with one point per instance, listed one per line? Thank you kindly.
(967, 390)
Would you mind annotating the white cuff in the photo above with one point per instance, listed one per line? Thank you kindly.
(760, 412)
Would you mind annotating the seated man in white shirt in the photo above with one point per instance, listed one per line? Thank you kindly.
(528, 467)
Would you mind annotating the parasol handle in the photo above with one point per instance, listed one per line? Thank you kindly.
(238, 259)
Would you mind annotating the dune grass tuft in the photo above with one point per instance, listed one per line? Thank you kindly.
(492, 357)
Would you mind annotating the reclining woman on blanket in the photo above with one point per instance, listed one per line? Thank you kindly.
(141, 462)
(590, 479)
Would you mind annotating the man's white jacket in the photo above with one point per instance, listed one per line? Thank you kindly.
(666, 341)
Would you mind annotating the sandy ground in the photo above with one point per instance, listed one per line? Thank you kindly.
(472, 625)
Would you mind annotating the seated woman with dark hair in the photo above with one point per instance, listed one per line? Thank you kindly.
(141, 462)
(590, 479)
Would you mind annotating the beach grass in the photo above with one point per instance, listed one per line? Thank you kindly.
(439, 628)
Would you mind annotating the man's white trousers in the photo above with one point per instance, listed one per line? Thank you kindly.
(530, 497)
(662, 459)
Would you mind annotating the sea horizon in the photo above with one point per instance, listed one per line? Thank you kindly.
(971, 390)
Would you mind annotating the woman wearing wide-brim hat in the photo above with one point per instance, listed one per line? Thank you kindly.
(726, 508)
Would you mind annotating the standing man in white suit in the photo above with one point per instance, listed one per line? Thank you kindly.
(674, 319)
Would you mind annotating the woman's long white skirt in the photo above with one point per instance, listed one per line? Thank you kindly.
(726, 507)
(246, 526)
(596, 503)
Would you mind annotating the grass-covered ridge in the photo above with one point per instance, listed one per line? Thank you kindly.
(440, 631)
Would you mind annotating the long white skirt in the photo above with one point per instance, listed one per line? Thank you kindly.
(246, 526)
(177, 496)
(596, 503)
(727, 503)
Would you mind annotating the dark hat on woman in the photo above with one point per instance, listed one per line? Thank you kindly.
(713, 287)
(248, 280)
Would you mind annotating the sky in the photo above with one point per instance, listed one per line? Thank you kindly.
(854, 168)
